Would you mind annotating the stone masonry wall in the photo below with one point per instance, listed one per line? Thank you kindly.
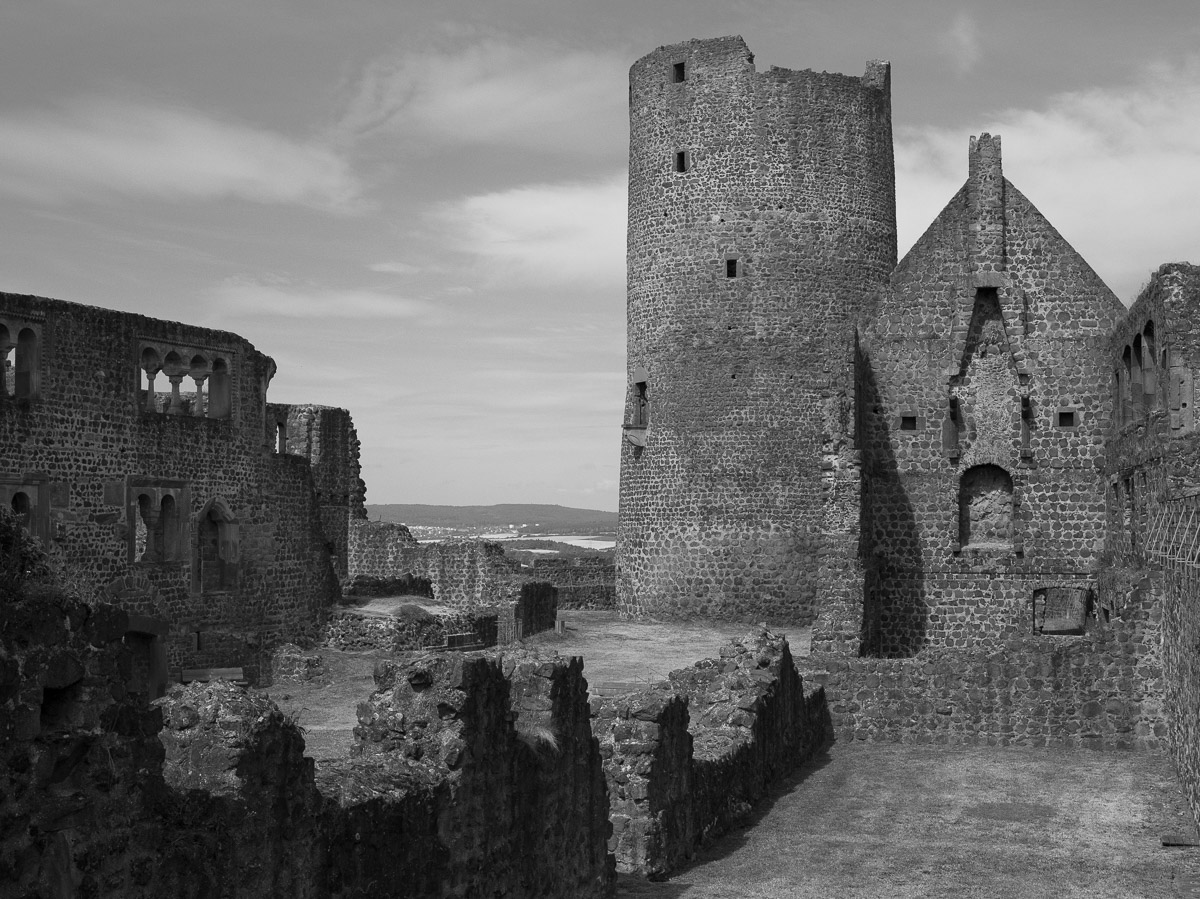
(466, 575)
(1102, 690)
(583, 582)
(121, 483)
(347, 629)
(984, 389)
(761, 218)
(686, 761)
(523, 810)
(1153, 492)
(326, 438)
(483, 776)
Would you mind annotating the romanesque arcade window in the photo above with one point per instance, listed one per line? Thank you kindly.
(985, 508)
(159, 517)
(20, 352)
(1139, 378)
(208, 394)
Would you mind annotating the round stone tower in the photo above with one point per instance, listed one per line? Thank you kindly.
(761, 225)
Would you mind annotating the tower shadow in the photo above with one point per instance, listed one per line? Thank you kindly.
(895, 613)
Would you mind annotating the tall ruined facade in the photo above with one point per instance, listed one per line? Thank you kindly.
(984, 388)
(145, 457)
(761, 224)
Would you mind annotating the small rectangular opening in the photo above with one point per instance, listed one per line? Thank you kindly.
(908, 422)
(679, 72)
(731, 268)
(1066, 418)
(681, 160)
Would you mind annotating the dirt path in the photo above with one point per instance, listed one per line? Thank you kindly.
(919, 821)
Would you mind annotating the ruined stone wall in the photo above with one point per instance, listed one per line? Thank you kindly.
(482, 776)
(348, 629)
(523, 809)
(686, 761)
(462, 573)
(984, 395)
(1153, 492)
(326, 438)
(583, 582)
(1102, 690)
(749, 258)
(88, 441)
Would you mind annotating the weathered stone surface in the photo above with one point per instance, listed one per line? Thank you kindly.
(687, 760)
(739, 499)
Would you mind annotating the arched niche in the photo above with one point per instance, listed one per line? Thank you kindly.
(216, 551)
(985, 508)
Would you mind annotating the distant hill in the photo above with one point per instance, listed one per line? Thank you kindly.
(525, 518)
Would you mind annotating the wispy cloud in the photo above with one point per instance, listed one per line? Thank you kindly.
(94, 148)
(496, 91)
(247, 298)
(393, 268)
(1114, 169)
(960, 42)
(550, 233)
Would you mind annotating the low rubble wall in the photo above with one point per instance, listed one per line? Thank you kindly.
(410, 628)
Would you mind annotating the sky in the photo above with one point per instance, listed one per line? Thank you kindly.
(418, 209)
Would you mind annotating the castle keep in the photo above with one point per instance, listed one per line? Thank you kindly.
(761, 224)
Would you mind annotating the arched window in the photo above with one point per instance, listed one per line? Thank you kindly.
(1149, 368)
(198, 371)
(215, 566)
(147, 537)
(1137, 387)
(6, 372)
(985, 507)
(168, 525)
(22, 508)
(218, 390)
(26, 368)
(1126, 386)
(150, 365)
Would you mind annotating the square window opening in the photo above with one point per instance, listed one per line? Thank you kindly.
(908, 422)
(1066, 418)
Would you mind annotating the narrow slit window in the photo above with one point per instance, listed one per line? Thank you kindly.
(681, 160)
(679, 72)
(731, 268)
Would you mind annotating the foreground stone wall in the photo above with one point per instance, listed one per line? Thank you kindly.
(686, 761)
(761, 219)
(522, 810)
(478, 774)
